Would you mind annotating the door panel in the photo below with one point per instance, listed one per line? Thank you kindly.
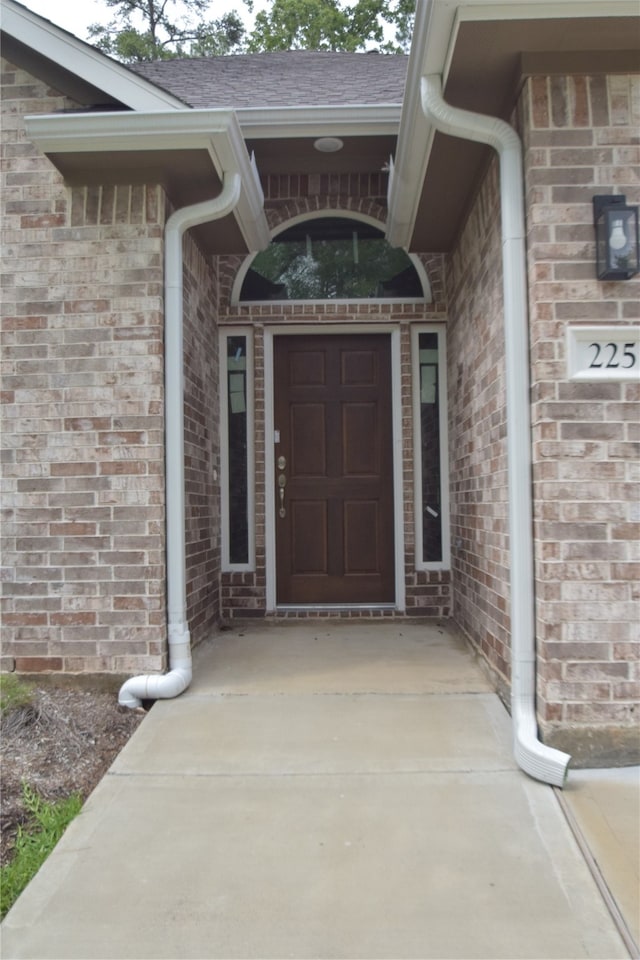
(334, 521)
(307, 440)
(360, 457)
(309, 530)
(361, 521)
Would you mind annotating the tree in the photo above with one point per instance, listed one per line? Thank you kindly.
(332, 25)
(164, 29)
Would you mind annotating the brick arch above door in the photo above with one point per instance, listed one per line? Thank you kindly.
(280, 212)
(231, 268)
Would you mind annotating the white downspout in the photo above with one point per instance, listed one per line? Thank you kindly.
(535, 758)
(171, 684)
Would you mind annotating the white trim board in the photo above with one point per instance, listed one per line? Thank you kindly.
(83, 60)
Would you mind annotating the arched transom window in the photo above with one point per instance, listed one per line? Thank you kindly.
(331, 258)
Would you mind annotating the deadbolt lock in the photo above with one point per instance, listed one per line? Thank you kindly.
(282, 462)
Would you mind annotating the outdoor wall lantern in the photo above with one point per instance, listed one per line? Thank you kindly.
(617, 240)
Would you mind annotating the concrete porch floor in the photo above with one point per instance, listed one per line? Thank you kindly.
(332, 790)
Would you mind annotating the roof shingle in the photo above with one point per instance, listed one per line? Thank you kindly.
(282, 79)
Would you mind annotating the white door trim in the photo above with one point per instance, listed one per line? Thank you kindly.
(269, 459)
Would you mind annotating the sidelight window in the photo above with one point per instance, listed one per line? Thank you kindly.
(430, 443)
(237, 450)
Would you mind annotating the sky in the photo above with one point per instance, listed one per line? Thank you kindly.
(76, 15)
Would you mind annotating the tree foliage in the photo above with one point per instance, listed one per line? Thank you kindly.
(332, 25)
(163, 29)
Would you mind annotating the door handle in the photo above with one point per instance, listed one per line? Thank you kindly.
(282, 482)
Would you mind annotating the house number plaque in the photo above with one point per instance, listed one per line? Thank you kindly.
(603, 353)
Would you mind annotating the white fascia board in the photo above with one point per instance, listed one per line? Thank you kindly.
(232, 153)
(216, 131)
(545, 10)
(83, 60)
(317, 121)
(415, 134)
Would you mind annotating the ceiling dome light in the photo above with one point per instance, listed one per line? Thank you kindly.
(328, 144)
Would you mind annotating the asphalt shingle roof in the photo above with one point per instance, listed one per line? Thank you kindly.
(283, 79)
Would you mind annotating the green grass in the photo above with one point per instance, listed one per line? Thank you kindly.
(14, 693)
(34, 843)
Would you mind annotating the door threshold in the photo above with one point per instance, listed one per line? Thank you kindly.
(334, 607)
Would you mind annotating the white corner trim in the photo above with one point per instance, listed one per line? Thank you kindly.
(83, 60)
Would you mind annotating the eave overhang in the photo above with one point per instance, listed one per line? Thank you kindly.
(282, 138)
(483, 52)
(187, 152)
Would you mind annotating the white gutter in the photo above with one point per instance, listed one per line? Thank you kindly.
(164, 686)
(364, 120)
(535, 758)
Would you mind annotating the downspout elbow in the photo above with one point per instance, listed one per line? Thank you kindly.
(154, 686)
(536, 759)
(162, 686)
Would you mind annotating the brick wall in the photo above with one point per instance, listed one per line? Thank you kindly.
(581, 139)
(83, 504)
(244, 593)
(202, 448)
(477, 432)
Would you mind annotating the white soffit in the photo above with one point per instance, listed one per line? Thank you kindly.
(81, 59)
(479, 10)
(434, 37)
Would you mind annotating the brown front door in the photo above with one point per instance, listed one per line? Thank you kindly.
(333, 482)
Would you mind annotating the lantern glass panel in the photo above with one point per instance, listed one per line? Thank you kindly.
(617, 242)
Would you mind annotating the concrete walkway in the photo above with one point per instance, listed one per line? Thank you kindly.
(325, 791)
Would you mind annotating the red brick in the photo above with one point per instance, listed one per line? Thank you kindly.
(42, 220)
(38, 664)
(124, 467)
(79, 618)
(74, 469)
